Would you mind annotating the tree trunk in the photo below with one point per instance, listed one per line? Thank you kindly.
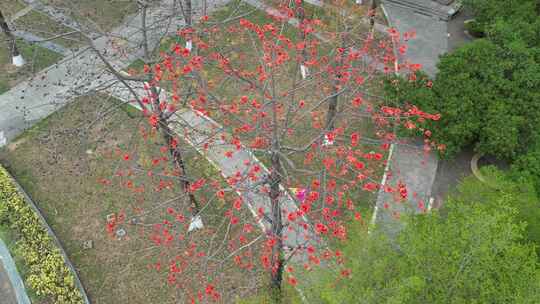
(176, 155)
(332, 109)
(7, 31)
(179, 164)
(205, 8)
(166, 132)
(188, 15)
(277, 260)
(333, 102)
(277, 229)
(373, 8)
(301, 16)
(188, 18)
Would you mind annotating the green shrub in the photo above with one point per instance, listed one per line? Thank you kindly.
(48, 275)
(528, 166)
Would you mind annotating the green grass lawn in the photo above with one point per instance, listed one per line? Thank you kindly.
(106, 14)
(11, 7)
(42, 26)
(37, 58)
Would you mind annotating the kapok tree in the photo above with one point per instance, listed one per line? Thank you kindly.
(244, 96)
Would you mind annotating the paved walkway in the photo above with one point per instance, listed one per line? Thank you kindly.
(433, 179)
(456, 29)
(414, 168)
(431, 36)
(12, 289)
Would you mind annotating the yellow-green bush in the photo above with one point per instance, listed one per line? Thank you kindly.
(47, 275)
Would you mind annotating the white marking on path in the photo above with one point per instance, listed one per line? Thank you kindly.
(3, 139)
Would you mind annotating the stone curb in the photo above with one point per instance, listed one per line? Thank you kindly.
(13, 274)
(474, 167)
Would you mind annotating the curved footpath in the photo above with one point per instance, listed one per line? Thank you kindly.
(12, 289)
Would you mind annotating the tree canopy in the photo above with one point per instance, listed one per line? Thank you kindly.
(519, 187)
(473, 252)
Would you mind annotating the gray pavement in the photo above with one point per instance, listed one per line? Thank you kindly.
(7, 294)
(12, 289)
(425, 176)
(410, 165)
(449, 173)
(456, 30)
(431, 36)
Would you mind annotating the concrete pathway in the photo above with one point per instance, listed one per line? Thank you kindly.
(431, 36)
(410, 165)
(456, 30)
(12, 289)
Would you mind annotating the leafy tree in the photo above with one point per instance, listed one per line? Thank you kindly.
(516, 185)
(528, 166)
(517, 16)
(486, 91)
(487, 95)
(471, 253)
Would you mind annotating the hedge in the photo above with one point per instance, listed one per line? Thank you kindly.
(48, 275)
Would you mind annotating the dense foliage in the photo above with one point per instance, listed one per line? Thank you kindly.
(473, 251)
(488, 91)
(48, 275)
(515, 19)
(515, 185)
